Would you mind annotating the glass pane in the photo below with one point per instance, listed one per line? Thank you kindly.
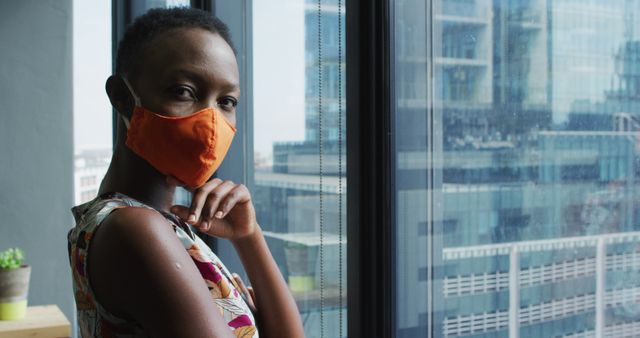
(300, 153)
(518, 153)
(91, 107)
(141, 6)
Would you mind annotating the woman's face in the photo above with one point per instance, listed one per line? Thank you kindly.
(186, 70)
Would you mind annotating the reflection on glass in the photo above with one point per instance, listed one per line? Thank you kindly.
(302, 213)
(517, 163)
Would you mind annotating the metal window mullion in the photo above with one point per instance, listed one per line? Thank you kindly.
(371, 197)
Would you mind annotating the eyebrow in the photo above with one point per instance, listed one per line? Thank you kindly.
(196, 77)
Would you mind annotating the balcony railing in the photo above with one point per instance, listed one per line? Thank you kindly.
(526, 15)
(516, 278)
(460, 8)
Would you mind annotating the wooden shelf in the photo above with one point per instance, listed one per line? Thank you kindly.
(40, 322)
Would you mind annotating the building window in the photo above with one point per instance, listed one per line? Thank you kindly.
(525, 221)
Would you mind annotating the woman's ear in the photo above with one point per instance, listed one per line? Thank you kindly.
(119, 96)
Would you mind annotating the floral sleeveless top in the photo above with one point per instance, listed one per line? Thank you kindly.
(96, 321)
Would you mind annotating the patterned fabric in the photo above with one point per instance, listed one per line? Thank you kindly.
(95, 321)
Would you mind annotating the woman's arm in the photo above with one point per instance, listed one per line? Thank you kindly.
(225, 209)
(278, 314)
(139, 270)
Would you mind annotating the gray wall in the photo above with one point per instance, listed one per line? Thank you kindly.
(36, 142)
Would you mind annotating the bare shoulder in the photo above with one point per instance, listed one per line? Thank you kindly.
(139, 270)
(127, 227)
(125, 242)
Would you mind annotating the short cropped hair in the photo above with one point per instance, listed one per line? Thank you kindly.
(158, 21)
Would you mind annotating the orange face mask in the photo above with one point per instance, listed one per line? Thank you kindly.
(189, 148)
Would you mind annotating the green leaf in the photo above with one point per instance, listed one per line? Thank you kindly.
(11, 258)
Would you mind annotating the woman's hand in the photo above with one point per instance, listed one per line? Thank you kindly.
(220, 208)
(224, 209)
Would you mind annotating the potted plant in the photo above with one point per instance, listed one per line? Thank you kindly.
(300, 260)
(14, 284)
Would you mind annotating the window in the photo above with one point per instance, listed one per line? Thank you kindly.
(518, 160)
(92, 118)
(299, 155)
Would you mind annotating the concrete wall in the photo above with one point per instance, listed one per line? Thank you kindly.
(36, 142)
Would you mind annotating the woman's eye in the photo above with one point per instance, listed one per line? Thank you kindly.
(184, 93)
(228, 103)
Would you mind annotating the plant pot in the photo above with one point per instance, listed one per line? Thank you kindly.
(14, 288)
(301, 267)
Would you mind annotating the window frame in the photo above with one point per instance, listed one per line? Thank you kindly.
(370, 175)
(239, 167)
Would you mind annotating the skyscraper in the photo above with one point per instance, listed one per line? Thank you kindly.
(517, 223)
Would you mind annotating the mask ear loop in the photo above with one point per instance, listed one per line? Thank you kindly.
(136, 99)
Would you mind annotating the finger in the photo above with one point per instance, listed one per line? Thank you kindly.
(213, 200)
(240, 283)
(199, 198)
(180, 211)
(239, 194)
(217, 228)
(245, 291)
(252, 293)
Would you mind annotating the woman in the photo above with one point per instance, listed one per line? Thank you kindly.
(138, 270)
